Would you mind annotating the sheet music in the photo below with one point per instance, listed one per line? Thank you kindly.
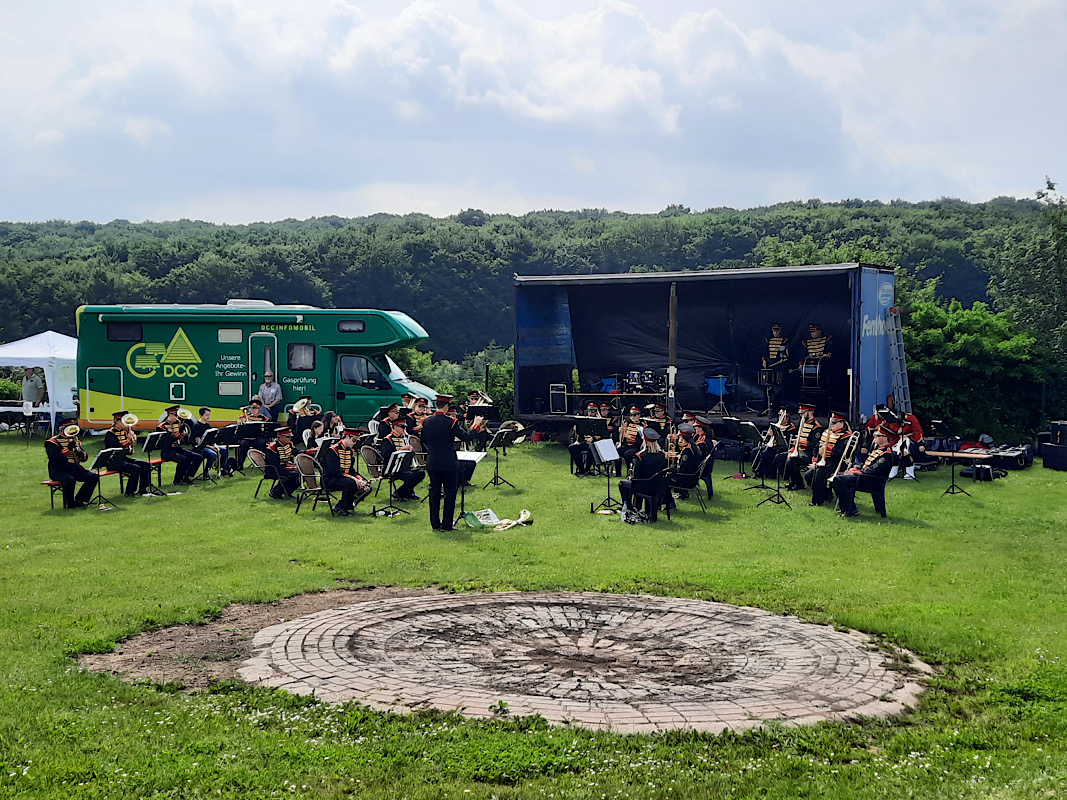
(470, 455)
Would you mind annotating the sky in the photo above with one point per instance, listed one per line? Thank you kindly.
(237, 111)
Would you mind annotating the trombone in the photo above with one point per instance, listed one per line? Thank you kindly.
(847, 454)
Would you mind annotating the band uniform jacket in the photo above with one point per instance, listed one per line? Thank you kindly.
(126, 439)
(777, 350)
(831, 446)
(280, 456)
(175, 435)
(817, 346)
(808, 433)
(878, 464)
(64, 453)
(337, 461)
(688, 460)
(648, 465)
(439, 431)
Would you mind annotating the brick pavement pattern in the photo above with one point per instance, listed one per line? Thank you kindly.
(626, 662)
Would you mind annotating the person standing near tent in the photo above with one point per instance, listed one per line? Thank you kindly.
(32, 387)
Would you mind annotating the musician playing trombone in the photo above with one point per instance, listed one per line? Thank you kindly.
(832, 446)
(875, 470)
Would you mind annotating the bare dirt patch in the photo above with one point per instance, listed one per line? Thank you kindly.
(196, 656)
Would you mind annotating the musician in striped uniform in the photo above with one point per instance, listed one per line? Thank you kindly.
(398, 440)
(875, 470)
(280, 456)
(803, 449)
(831, 446)
(122, 436)
(630, 435)
(339, 473)
(65, 458)
(175, 444)
(817, 345)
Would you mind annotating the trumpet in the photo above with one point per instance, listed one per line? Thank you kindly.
(847, 454)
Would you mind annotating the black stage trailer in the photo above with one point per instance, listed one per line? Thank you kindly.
(620, 331)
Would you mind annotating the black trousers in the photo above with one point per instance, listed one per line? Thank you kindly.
(138, 475)
(288, 480)
(186, 463)
(72, 475)
(408, 480)
(847, 484)
(793, 474)
(349, 489)
(443, 484)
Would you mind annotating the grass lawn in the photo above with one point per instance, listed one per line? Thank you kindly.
(976, 586)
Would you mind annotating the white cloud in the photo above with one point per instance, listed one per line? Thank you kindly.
(291, 109)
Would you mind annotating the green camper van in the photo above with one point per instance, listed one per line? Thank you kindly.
(143, 358)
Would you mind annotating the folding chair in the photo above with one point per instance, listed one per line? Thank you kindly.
(691, 482)
(311, 483)
(653, 491)
(374, 466)
(259, 461)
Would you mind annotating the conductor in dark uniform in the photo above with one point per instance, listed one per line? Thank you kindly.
(439, 432)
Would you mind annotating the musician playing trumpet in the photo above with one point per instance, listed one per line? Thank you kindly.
(122, 436)
(831, 446)
(65, 459)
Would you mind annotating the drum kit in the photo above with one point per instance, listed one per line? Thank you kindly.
(644, 382)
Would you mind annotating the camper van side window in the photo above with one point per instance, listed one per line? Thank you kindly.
(351, 326)
(362, 371)
(125, 331)
(301, 356)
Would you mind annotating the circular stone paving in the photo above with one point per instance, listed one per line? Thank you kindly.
(627, 662)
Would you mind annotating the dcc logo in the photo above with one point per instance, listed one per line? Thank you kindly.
(178, 359)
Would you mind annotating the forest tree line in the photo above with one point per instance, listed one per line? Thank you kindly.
(454, 275)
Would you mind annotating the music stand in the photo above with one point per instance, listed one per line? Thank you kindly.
(501, 439)
(605, 452)
(466, 455)
(777, 498)
(754, 437)
(151, 444)
(399, 461)
(105, 460)
(488, 413)
(209, 439)
(733, 430)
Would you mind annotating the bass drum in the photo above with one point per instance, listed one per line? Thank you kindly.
(514, 425)
(811, 373)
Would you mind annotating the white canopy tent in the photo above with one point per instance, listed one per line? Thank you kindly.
(57, 355)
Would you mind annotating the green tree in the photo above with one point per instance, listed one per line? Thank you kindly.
(970, 367)
(1031, 274)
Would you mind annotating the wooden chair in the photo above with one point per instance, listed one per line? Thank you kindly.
(310, 486)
